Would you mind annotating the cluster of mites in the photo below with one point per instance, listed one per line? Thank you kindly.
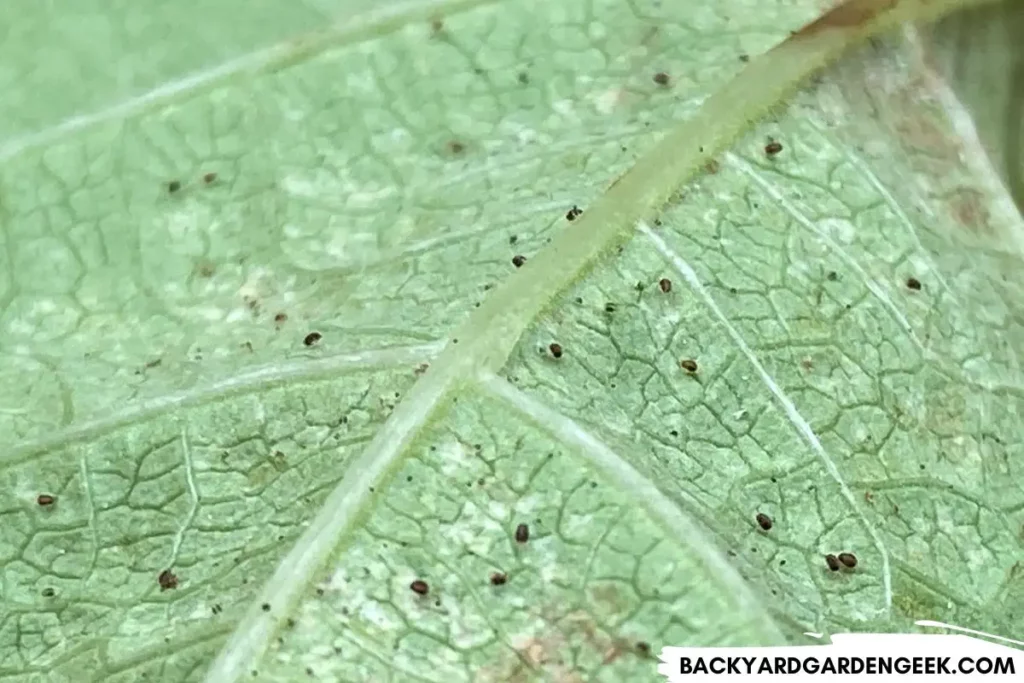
(835, 562)
(175, 185)
(522, 535)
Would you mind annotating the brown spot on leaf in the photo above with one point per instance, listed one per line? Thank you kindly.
(968, 207)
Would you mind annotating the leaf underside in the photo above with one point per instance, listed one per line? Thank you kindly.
(850, 304)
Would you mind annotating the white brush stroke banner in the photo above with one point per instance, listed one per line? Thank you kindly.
(860, 657)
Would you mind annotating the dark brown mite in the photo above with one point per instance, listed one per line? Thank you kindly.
(689, 365)
(265, 607)
(643, 647)
(661, 78)
(609, 308)
(764, 521)
(498, 578)
(280, 318)
(209, 177)
(914, 284)
(522, 533)
(665, 284)
(848, 559)
(518, 260)
(773, 148)
(45, 500)
(419, 587)
(833, 562)
(173, 186)
(555, 349)
(312, 338)
(167, 580)
(573, 213)
(48, 592)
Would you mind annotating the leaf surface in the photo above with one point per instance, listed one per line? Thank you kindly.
(826, 335)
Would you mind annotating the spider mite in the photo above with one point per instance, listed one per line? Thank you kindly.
(573, 213)
(764, 521)
(498, 578)
(518, 260)
(773, 148)
(555, 349)
(168, 580)
(833, 562)
(848, 559)
(45, 500)
(419, 587)
(665, 284)
(689, 365)
(312, 338)
(522, 533)
(661, 78)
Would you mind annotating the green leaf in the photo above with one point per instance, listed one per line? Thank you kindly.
(231, 502)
